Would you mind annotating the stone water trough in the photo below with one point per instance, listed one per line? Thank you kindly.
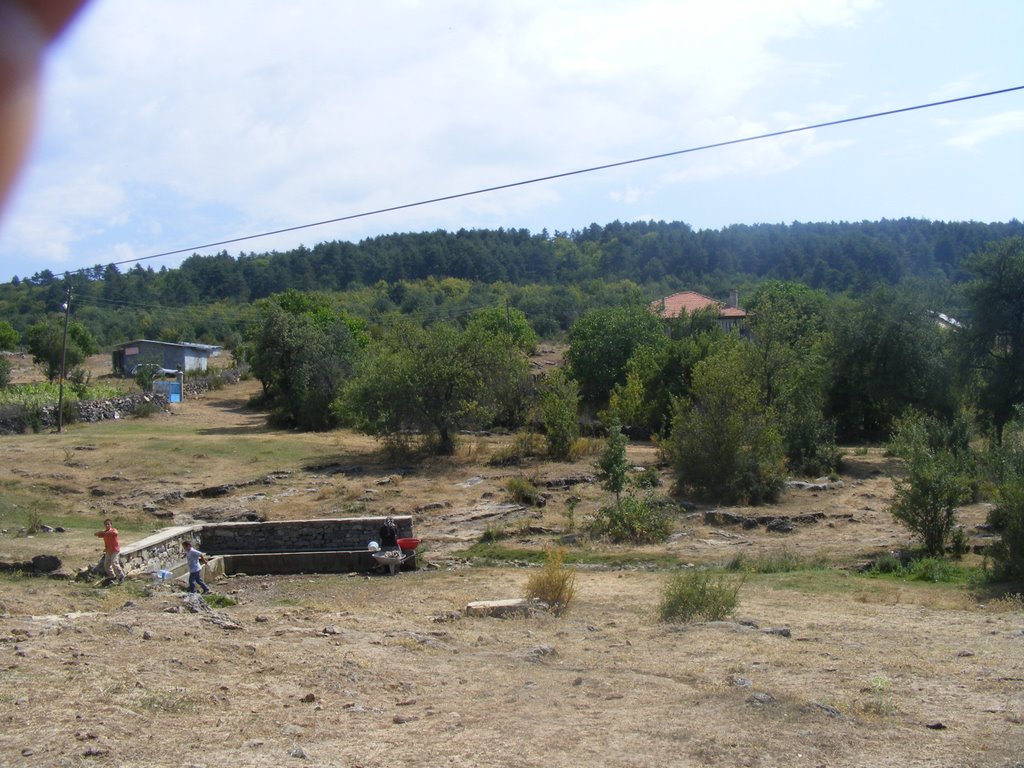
(335, 545)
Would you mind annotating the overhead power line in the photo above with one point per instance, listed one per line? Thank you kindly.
(566, 174)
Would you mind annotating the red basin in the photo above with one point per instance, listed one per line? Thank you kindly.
(408, 545)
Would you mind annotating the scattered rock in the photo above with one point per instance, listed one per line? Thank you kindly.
(299, 753)
(309, 698)
(780, 631)
(828, 709)
(445, 617)
(499, 609)
(760, 698)
(38, 566)
(539, 652)
(937, 725)
(779, 525)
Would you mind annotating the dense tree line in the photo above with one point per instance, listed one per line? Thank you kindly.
(538, 271)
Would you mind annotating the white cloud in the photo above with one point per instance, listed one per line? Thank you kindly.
(212, 120)
(970, 134)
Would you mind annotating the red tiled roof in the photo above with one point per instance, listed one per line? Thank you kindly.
(691, 301)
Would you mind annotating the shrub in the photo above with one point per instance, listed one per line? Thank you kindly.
(1008, 519)
(934, 569)
(558, 400)
(699, 594)
(632, 519)
(5, 372)
(216, 600)
(583, 447)
(724, 444)
(492, 534)
(937, 481)
(146, 409)
(612, 464)
(887, 563)
(784, 561)
(523, 445)
(648, 478)
(522, 491)
(554, 584)
(13, 419)
(69, 411)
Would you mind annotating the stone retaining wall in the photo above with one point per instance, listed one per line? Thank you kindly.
(163, 552)
(16, 419)
(352, 533)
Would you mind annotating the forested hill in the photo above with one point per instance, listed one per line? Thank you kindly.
(656, 256)
(830, 256)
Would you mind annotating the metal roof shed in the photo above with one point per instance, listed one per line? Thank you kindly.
(175, 356)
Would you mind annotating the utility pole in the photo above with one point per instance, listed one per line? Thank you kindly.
(63, 362)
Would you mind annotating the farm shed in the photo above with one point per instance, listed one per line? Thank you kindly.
(170, 356)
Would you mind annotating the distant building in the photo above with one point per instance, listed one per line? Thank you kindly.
(730, 316)
(169, 356)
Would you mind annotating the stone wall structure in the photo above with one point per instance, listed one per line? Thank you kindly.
(330, 545)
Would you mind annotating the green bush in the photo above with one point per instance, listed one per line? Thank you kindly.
(522, 445)
(558, 400)
(522, 491)
(5, 372)
(887, 563)
(554, 584)
(724, 444)
(784, 561)
(647, 478)
(934, 569)
(938, 480)
(699, 594)
(633, 520)
(1008, 519)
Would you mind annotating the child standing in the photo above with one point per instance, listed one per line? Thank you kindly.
(195, 560)
(111, 552)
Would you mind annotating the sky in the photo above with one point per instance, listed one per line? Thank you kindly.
(170, 125)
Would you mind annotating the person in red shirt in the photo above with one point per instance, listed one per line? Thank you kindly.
(111, 552)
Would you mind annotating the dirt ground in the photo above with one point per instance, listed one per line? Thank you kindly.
(818, 668)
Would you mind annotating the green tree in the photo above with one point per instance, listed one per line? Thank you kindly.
(938, 479)
(791, 366)
(430, 381)
(9, 338)
(724, 443)
(993, 333)
(1005, 467)
(45, 341)
(657, 375)
(302, 350)
(601, 343)
(558, 399)
(612, 464)
(888, 354)
(505, 322)
(505, 330)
